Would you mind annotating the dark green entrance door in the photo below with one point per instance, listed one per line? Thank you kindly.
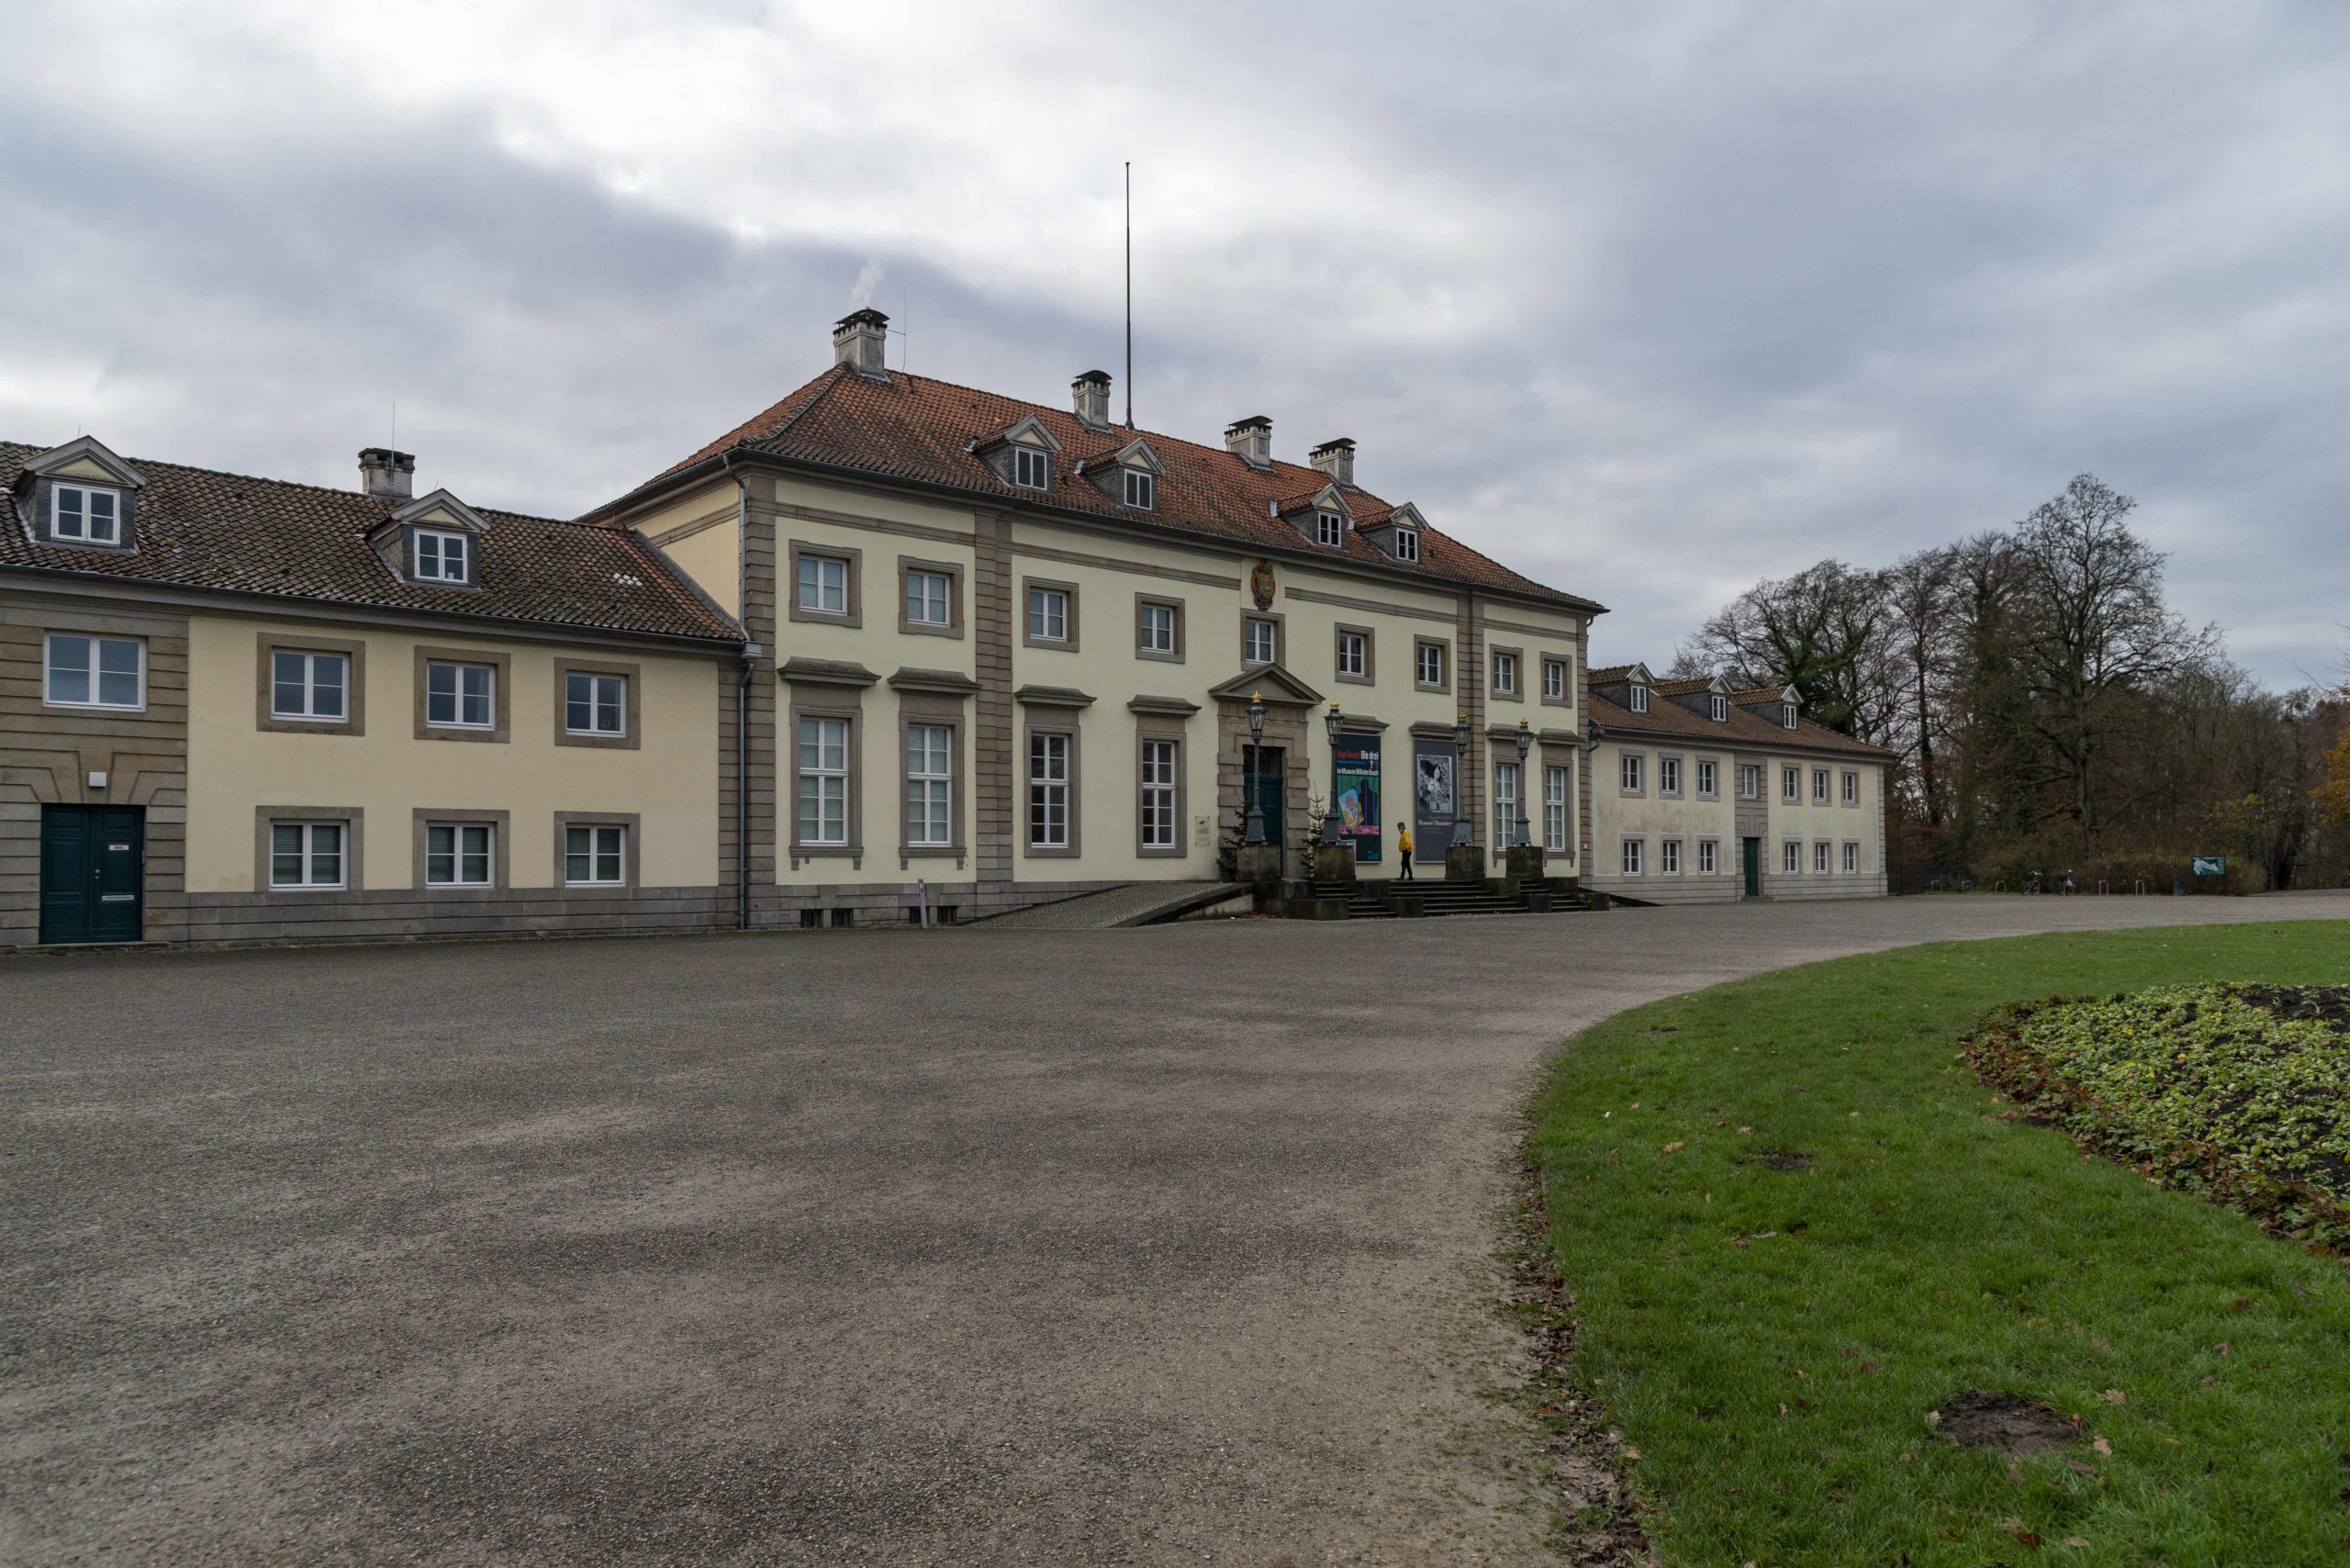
(93, 869)
(1753, 848)
(1267, 765)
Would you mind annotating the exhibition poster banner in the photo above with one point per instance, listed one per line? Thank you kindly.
(1434, 763)
(1354, 795)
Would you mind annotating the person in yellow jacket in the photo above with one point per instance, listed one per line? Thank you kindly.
(1403, 848)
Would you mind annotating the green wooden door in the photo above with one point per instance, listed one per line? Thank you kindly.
(1268, 769)
(1753, 857)
(93, 873)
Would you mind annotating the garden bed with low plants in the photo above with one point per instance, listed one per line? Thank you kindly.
(2239, 1092)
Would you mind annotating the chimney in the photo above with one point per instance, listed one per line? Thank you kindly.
(860, 339)
(386, 473)
(1091, 393)
(1335, 458)
(1251, 439)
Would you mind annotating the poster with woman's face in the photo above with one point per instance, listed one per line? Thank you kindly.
(1435, 791)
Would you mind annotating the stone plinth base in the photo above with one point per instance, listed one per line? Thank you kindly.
(1335, 863)
(1464, 863)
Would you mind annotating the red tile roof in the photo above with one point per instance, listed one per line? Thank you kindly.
(201, 529)
(1741, 728)
(912, 427)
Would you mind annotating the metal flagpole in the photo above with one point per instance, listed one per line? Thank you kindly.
(1130, 294)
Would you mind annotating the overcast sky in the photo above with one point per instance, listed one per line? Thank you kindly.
(1646, 300)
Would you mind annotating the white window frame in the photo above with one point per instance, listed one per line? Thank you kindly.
(1852, 858)
(489, 696)
(1668, 857)
(1156, 619)
(1049, 796)
(1791, 858)
(596, 835)
(1819, 786)
(1032, 469)
(1630, 852)
(1554, 810)
(1639, 699)
(449, 548)
(1554, 680)
(1630, 773)
(94, 671)
(824, 566)
(1159, 764)
(1354, 655)
(1709, 779)
(1505, 787)
(1142, 490)
(1750, 781)
(1820, 857)
(831, 780)
(86, 495)
(308, 851)
(1791, 786)
(1709, 856)
(1717, 707)
(1788, 714)
(1407, 545)
(310, 686)
(930, 786)
(458, 855)
(923, 607)
(1423, 655)
(1852, 787)
(1250, 627)
(1668, 775)
(1505, 674)
(598, 708)
(1329, 529)
(1043, 603)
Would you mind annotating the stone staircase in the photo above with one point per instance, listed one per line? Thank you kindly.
(1387, 900)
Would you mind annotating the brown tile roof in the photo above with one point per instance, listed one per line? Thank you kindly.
(1741, 728)
(1684, 686)
(910, 427)
(199, 529)
(1608, 675)
(1754, 694)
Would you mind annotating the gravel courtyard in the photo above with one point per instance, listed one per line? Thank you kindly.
(1156, 1246)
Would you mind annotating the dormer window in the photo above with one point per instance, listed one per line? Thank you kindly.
(1329, 529)
(1030, 469)
(1788, 714)
(82, 514)
(1718, 709)
(1639, 700)
(1407, 545)
(1142, 490)
(441, 556)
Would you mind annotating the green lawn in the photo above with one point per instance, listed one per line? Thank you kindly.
(1771, 1340)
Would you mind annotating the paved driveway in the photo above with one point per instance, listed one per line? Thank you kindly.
(1148, 1246)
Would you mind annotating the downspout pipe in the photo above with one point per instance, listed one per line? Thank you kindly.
(749, 671)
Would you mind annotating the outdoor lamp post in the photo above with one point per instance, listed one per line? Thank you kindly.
(1253, 832)
(1331, 721)
(1525, 744)
(1464, 831)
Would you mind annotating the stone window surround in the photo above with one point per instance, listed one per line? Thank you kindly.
(1820, 796)
(1791, 849)
(1715, 844)
(501, 694)
(1495, 653)
(354, 691)
(631, 735)
(1638, 843)
(1851, 786)
(354, 822)
(1851, 862)
(1823, 857)
(1679, 867)
(47, 649)
(1055, 720)
(1165, 601)
(1639, 759)
(1557, 759)
(953, 572)
(1370, 676)
(1697, 783)
(1566, 685)
(1503, 753)
(947, 713)
(817, 700)
(631, 848)
(853, 594)
(1791, 786)
(1280, 622)
(1680, 765)
(1444, 647)
(1155, 727)
(499, 822)
(1028, 640)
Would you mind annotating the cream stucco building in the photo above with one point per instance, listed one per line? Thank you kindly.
(889, 643)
